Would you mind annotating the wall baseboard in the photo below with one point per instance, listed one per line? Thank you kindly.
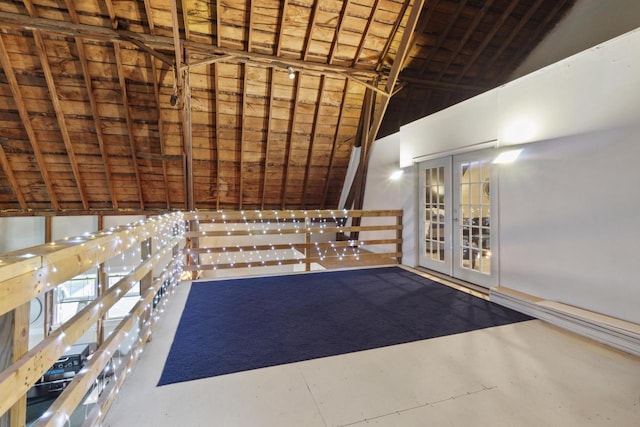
(614, 332)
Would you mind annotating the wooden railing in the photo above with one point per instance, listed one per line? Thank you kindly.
(28, 273)
(242, 239)
(248, 239)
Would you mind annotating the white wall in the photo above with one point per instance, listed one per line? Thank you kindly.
(568, 208)
(20, 232)
(568, 218)
(588, 23)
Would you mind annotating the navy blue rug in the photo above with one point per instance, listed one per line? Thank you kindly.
(237, 325)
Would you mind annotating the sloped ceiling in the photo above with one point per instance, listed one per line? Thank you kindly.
(142, 106)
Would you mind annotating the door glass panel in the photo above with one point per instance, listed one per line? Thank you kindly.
(475, 223)
(434, 214)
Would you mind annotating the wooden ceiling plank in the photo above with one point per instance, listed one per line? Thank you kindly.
(269, 130)
(216, 90)
(487, 39)
(336, 36)
(92, 32)
(443, 36)
(283, 19)
(62, 125)
(288, 149)
(470, 30)
(15, 187)
(365, 34)
(332, 157)
(9, 72)
(516, 30)
(156, 91)
(310, 28)
(314, 134)
(125, 103)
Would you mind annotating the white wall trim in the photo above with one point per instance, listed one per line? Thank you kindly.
(608, 330)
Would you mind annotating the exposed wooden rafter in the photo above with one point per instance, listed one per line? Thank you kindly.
(125, 102)
(156, 91)
(15, 187)
(269, 129)
(314, 134)
(310, 28)
(443, 36)
(283, 18)
(167, 43)
(365, 34)
(62, 125)
(327, 178)
(440, 85)
(288, 149)
(470, 30)
(336, 36)
(94, 107)
(5, 62)
(487, 39)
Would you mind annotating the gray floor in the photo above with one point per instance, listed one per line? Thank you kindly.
(524, 374)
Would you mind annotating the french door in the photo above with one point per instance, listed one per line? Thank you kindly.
(459, 223)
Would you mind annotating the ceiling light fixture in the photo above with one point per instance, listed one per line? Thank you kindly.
(292, 74)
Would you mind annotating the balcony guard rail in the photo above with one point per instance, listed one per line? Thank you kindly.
(163, 242)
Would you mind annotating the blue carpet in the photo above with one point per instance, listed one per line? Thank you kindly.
(237, 325)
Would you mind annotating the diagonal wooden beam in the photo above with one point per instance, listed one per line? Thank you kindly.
(156, 90)
(15, 187)
(127, 108)
(84, 64)
(398, 63)
(9, 72)
(365, 34)
(283, 19)
(335, 143)
(314, 131)
(336, 36)
(92, 32)
(394, 30)
(424, 21)
(269, 130)
(310, 28)
(62, 125)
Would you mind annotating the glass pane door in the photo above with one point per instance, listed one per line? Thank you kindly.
(474, 258)
(435, 226)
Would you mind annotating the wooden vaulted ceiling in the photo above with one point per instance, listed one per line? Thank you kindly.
(153, 105)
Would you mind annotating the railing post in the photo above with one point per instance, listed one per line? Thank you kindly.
(14, 340)
(399, 237)
(307, 241)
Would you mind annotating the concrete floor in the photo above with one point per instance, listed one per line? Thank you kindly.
(524, 374)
